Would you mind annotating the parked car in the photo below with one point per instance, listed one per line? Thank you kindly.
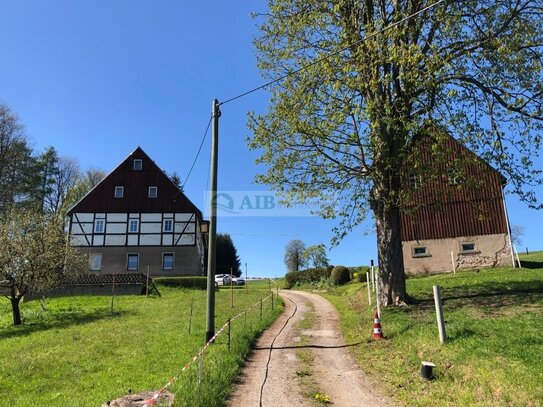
(223, 279)
(239, 281)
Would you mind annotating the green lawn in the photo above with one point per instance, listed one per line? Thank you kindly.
(76, 353)
(494, 352)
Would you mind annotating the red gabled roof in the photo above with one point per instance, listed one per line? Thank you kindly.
(136, 184)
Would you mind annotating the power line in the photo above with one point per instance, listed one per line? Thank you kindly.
(198, 153)
(324, 58)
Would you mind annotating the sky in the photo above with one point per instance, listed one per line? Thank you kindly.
(96, 79)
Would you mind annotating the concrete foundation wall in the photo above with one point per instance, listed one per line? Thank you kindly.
(114, 260)
(490, 251)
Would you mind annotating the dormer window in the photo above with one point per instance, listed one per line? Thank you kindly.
(137, 164)
(153, 192)
(119, 191)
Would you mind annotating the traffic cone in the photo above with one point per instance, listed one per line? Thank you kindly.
(377, 331)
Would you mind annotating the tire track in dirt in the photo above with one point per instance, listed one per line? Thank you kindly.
(270, 377)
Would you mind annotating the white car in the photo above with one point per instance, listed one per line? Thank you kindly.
(223, 279)
(239, 280)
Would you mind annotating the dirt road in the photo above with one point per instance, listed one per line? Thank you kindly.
(301, 356)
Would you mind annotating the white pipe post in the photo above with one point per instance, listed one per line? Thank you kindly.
(368, 284)
(377, 300)
(439, 314)
(516, 254)
(452, 260)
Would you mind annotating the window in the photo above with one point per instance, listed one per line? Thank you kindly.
(467, 247)
(95, 260)
(420, 251)
(132, 261)
(137, 164)
(167, 261)
(168, 225)
(153, 192)
(133, 227)
(414, 180)
(119, 192)
(99, 225)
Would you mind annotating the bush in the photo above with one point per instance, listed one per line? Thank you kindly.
(359, 273)
(340, 275)
(308, 276)
(183, 282)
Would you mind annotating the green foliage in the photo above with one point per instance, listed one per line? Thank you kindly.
(493, 352)
(182, 282)
(359, 273)
(340, 275)
(227, 259)
(309, 276)
(77, 353)
(315, 256)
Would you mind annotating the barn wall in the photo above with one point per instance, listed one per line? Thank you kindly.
(490, 251)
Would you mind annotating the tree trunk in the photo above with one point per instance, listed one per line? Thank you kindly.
(390, 255)
(15, 310)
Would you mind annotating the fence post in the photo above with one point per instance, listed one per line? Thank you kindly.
(191, 308)
(272, 301)
(261, 309)
(368, 283)
(245, 321)
(200, 371)
(229, 328)
(439, 314)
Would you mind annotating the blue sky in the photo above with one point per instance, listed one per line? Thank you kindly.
(96, 79)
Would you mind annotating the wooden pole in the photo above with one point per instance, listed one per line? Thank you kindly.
(439, 314)
(112, 293)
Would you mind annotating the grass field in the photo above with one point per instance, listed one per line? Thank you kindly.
(77, 353)
(494, 352)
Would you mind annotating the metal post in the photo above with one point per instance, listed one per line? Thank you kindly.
(210, 314)
(439, 313)
(229, 332)
(377, 295)
(112, 293)
(147, 285)
(373, 276)
(231, 288)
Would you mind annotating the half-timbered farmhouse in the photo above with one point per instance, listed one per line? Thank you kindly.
(137, 218)
(455, 216)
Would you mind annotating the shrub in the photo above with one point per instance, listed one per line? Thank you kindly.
(359, 273)
(340, 275)
(309, 276)
(183, 282)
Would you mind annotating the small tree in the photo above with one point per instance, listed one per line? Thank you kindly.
(294, 259)
(315, 256)
(227, 259)
(35, 255)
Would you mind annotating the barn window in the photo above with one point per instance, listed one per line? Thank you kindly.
(153, 192)
(132, 261)
(137, 164)
(95, 260)
(119, 191)
(133, 226)
(414, 180)
(467, 247)
(420, 251)
(167, 261)
(99, 226)
(168, 225)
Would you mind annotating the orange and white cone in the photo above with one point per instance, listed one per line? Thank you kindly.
(377, 331)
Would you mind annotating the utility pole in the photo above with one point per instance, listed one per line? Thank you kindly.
(210, 314)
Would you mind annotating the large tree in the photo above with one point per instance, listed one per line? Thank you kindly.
(294, 255)
(227, 259)
(344, 121)
(16, 162)
(35, 255)
(315, 256)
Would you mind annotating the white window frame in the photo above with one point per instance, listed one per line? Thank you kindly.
(152, 188)
(137, 222)
(99, 222)
(92, 263)
(463, 250)
(167, 222)
(128, 255)
(137, 164)
(415, 180)
(415, 254)
(173, 261)
(120, 189)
